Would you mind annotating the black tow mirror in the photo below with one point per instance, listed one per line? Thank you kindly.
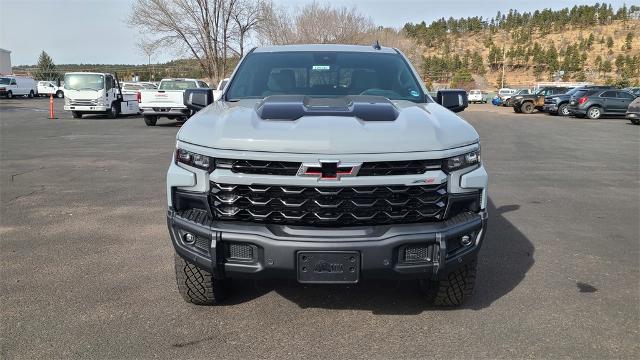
(453, 99)
(197, 99)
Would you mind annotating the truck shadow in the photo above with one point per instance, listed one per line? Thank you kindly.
(504, 260)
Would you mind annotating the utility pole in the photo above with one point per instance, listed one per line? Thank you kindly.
(503, 63)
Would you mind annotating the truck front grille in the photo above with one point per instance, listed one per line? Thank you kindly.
(329, 206)
(81, 102)
(290, 168)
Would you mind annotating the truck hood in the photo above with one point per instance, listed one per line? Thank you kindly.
(83, 94)
(237, 126)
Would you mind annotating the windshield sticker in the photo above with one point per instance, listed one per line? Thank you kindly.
(321, 67)
(414, 93)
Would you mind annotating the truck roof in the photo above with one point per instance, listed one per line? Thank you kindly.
(324, 47)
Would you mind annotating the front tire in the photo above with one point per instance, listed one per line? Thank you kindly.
(9, 95)
(564, 110)
(31, 94)
(59, 94)
(76, 114)
(455, 289)
(594, 113)
(113, 111)
(198, 286)
(150, 120)
(527, 108)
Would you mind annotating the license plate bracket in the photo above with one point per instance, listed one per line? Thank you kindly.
(328, 267)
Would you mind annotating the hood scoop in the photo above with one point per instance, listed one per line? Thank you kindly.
(293, 107)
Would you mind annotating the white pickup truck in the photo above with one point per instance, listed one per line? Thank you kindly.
(167, 101)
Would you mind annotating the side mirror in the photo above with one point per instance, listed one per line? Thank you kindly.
(453, 99)
(197, 99)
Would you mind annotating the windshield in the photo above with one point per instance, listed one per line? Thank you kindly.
(177, 85)
(83, 82)
(324, 74)
(5, 81)
(132, 87)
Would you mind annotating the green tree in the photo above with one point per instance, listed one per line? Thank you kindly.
(609, 42)
(462, 79)
(552, 59)
(606, 66)
(46, 69)
(628, 41)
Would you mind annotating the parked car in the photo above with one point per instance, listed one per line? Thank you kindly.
(293, 174)
(633, 111)
(559, 104)
(48, 88)
(505, 93)
(596, 103)
(168, 100)
(477, 96)
(11, 86)
(528, 103)
(509, 101)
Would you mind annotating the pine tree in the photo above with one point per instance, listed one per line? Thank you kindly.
(628, 40)
(609, 42)
(46, 68)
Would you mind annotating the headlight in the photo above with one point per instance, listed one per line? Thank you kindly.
(192, 159)
(462, 161)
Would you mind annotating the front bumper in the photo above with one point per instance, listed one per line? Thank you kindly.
(633, 116)
(276, 246)
(90, 108)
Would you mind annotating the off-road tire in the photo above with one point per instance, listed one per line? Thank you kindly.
(76, 114)
(527, 107)
(198, 286)
(454, 289)
(150, 120)
(563, 110)
(594, 113)
(59, 94)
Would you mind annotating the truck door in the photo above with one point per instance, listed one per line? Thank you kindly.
(109, 89)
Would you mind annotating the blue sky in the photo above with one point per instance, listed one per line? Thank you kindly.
(95, 31)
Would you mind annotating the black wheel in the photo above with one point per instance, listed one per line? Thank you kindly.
(30, 94)
(517, 109)
(198, 286)
(9, 95)
(76, 114)
(594, 112)
(150, 120)
(455, 289)
(527, 108)
(635, 121)
(564, 110)
(59, 94)
(113, 111)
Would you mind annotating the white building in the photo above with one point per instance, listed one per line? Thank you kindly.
(5, 62)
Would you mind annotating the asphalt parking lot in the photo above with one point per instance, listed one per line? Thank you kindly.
(87, 265)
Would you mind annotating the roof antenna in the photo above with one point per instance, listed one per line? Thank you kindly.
(376, 45)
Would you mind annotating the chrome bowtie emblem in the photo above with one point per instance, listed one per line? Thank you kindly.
(329, 169)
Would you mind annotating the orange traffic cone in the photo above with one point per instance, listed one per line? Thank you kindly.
(51, 113)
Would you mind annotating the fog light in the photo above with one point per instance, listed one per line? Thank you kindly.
(465, 240)
(189, 238)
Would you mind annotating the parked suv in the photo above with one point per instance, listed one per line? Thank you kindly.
(527, 103)
(596, 103)
(559, 104)
(327, 164)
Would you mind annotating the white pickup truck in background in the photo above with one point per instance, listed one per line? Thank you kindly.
(167, 101)
(217, 92)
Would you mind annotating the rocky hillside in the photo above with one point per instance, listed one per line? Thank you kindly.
(587, 43)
